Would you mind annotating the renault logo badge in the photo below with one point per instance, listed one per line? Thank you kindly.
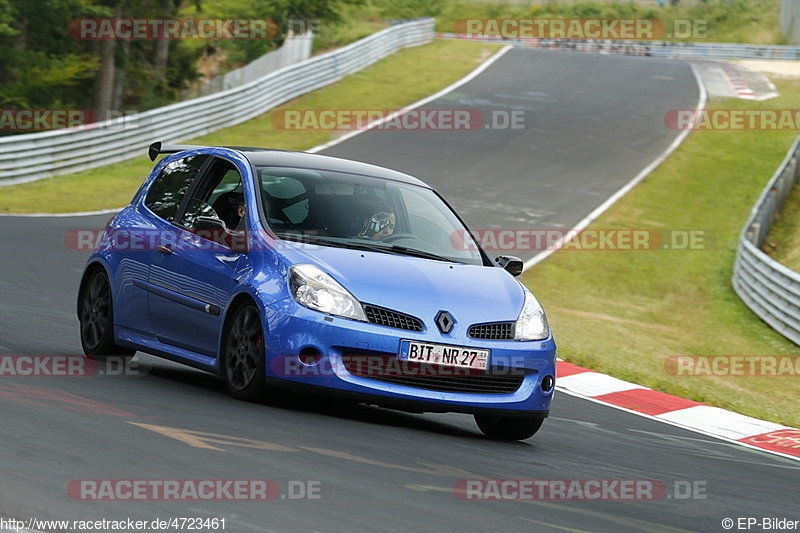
(445, 321)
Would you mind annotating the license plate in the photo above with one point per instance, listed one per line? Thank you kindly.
(444, 354)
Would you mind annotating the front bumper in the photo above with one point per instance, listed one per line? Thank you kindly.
(306, 348)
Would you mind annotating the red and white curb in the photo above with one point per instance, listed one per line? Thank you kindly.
(740, 86)
(714, 421)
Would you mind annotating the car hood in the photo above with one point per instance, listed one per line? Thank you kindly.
(421, 287)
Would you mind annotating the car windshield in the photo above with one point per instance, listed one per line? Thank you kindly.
(354, 211)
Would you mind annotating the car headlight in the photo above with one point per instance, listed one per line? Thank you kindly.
(532, 322)
(315, 289)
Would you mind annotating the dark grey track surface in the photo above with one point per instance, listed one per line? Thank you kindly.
(598, 124)
(591, 124)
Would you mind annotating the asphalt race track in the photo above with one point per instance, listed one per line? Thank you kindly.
(596, 121)
(591, 124)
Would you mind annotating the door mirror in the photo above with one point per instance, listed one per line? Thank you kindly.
(210, 223)
(512, 265)
(214, 229)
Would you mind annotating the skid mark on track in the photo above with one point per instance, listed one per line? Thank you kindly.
(206, 441)
(60, 400)
(214, 441)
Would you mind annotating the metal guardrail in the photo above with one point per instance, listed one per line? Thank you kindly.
(672, 50)
(769, 288)
(295, 49)
(33, 156)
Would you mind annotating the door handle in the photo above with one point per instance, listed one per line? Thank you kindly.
(164, 249)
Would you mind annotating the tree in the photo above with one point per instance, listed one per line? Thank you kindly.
(42, 66)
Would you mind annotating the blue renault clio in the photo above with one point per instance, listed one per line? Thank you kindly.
(278, 269)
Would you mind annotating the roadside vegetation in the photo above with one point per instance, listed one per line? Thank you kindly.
(783, 240)
(752, 21)
(48, 63)
(45, 64)
(626, 312)
(384, 85)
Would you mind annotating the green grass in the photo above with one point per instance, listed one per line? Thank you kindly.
(751, 21)
(395, 81)
(625, 312)
(357, 22)
(783, 241)
(745, 21)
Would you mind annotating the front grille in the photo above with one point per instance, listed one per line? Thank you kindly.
(493, 331)
(392, 319)
(436, 378)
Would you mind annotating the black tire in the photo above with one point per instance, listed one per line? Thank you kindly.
(508, 427)
(244, 354)
(96, 317)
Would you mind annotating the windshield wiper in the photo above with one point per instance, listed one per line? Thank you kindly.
(416, 253)
(400, 250)
(310, 239)
(321, 241)
(387, 249)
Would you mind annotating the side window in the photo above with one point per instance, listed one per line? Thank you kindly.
(221, 195)
(167, 191)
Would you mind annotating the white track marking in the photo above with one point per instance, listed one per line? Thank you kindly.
(602, 208)
(721, 422)
(595, 384)
(696, 429)
(419, 103)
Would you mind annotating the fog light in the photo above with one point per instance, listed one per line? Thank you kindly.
(547, 383)
(309, 356)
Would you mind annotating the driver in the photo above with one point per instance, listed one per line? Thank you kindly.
(235, 219)
(379, 226)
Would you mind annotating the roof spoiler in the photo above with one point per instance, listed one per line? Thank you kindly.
(157, 148)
